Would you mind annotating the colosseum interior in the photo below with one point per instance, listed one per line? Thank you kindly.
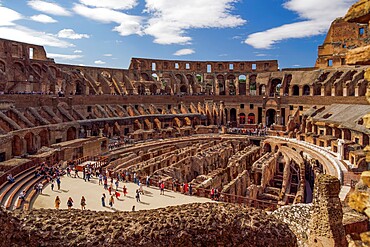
(291, 141)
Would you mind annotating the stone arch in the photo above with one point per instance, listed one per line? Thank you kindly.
(242, 84)
(53, 70)
(251, 118)
(262, 89)
(155, 77)
(270, 117)
(180, 77)
(267, 147)
(183, 89)
(295, 90)
(153, 88)
(327, 89)
(287, 81)
(144, 77)
(17, 146)
(71, 133)
(233, 116)
(226, 119)
(338, 89)
(362, 87)
(30, 143)
(253, 84)
(44, 138)
(350, 88)
(196, 121)
(231, 81)
(36, 67)
(306, 90)
(116, 129)
(275, 87)
(79, 87)
(317, 89)
(241, 118)
(221, 84)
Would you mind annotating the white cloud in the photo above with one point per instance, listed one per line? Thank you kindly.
(8, 16)
(111, 4)
(184, 52)
(128, 24)
(99, 62)
(23, 34)
(71, 34)
(107, 55)
(170, 19)
(77, 51)
(296, 65)
(64, 56)
(261, 55)
(316, 17)
(43, 19)
(48, 7)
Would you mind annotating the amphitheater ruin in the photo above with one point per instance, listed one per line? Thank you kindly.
(289, 142)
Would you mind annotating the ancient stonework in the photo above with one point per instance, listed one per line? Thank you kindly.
(326, 227)
(187, 225)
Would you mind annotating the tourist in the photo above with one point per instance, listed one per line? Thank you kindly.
(52, 185)
(137, 195)
(68, 171)
(76, 173)
(134, 177)
(162, 187)
(117, 184)
(212, 193)
(39, 187)
(58, 182)
(10, 178)
(100, 179)
(57, 202)
(190, 189)
(103, 200)
(69, 203)
(83, 203)
(141, 190)
(147, 181)
(111, 201)
(105, 179)
(110, 189)
(22, 195)
(117, 194)
(124, 189)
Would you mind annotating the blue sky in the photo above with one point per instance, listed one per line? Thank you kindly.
(107, 33)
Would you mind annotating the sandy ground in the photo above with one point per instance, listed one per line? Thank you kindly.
(92, 191)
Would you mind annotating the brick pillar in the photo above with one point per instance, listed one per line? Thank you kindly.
(326, 228)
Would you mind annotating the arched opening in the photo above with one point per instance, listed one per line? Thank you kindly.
(44, 138)
(226, 118)
(328, 89)
(251, 118)
(153, 89)
(221, 84)
(116, 129)
(306, 90)
(253, 85)
(141, 89)
(145, 77)
(270, 117)
(30, 140)
(338, 89)
(17, 146)
(267, 148)
(242, 85)
(199, 78)
(71, 133)
(183, 89)
(155, 77)
(362, 88)
(288, 79)
(232, 89)
(233, 116)
(347, 134)
(79, 88)
(317, 89)
(241, 118)
(275, 87)
(295, 90)
(262, 90)
(350, 88)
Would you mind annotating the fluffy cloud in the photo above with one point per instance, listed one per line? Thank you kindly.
(316, 17)
(99, 62)
(23, 34)
(8, 16)
(107, 55)
(128, 24)
(184, 52)
(77, 51)
(170, 19)
(64, 56)
(43, 19)
(71, 34)
(110, 4)
(48, 7)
